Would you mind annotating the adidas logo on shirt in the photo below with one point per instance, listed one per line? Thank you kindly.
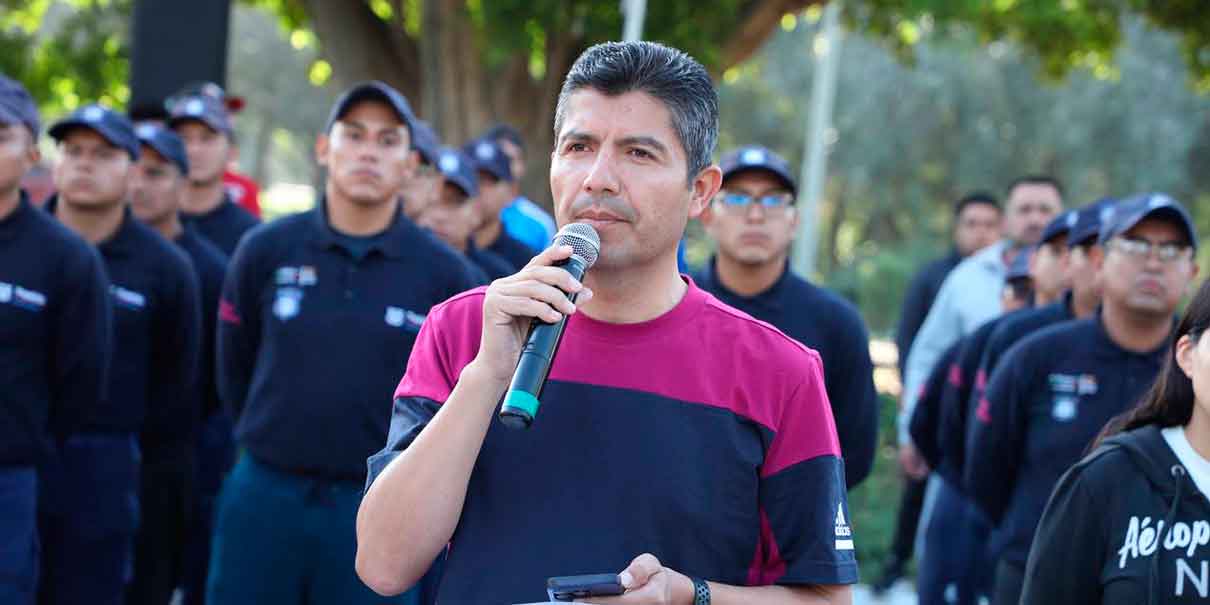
(844, 534)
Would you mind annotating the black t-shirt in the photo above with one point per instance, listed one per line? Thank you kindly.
(702, 436)
(832, 326)
(211, 266)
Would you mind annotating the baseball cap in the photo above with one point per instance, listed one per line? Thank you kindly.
(1018, 268)
(756, 157)
(1059, 226)
(17, 106)
(459, 170)
(489, 157)
(232, 103)
(378, 91)
(1134, 210)
(1089, 221)
(200, 108)
(111, 125)
(424, 140)
(166, 142)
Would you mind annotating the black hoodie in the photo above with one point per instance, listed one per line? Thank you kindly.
(1124, 526)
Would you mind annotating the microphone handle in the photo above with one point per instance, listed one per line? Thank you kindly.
(522, 398)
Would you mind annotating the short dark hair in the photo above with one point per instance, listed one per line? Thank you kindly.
(506, 132)
(1034, 179)
(671, 76)
(976, 197)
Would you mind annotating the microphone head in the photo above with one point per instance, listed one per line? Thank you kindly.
(583, 239)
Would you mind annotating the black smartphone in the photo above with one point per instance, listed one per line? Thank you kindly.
(570, 588)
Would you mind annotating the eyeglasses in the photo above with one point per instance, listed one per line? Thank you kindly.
(1141, 249)
(741, 202)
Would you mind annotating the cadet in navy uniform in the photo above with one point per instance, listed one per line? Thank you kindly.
(453, 216)
(150, 411)
(425, 185)
(319, 313)
(496, 192)
(1054, 391)
(55, 320)
(174, 540)
(753, 219)
(203, 124)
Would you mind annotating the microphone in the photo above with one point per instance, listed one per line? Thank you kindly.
(521, 399)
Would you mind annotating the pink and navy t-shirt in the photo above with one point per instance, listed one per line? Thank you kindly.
(702, 436)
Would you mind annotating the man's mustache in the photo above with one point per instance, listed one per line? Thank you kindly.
(609, 203)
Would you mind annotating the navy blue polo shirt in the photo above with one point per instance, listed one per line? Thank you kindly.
(512, 250)
(55, 321)
(312, 338)
(153, 388)
(493, 266)
(832, 326)
(1046, 401)
(701, 436)
(211, 266)
(1020, 326)
(224, 225)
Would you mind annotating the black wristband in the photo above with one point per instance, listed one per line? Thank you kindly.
(701, 592)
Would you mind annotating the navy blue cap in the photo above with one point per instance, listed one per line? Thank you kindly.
(1019, 267)
(459, 170)
(17, 106)
(1061, 225)
(378, 91)
(166, 142)
(490, 158)
(755, 157)
(113, 126)
(1089, 221)
(425, 140)
(1134, 210)
(200, 108)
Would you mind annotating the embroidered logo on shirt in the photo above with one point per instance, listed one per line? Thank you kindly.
(1063, 408)
(30, 300)
(398, 318)
(844, 534)
(128, 299)
(296, 276)
(287, 303)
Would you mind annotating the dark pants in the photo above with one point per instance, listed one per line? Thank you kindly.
(954, 568)
(908, 520)
(159, 549)
(287, 539)
(215, 455)
(18, 535)
(1010, 581)
(88, 511)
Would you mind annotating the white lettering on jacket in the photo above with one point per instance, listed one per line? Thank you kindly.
(1142, 539)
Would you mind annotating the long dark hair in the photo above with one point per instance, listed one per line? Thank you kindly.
(1169, 402)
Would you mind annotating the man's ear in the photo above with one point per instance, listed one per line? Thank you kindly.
(322, 147)
(704, 187)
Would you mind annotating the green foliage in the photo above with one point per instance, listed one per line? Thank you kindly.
(67, 52)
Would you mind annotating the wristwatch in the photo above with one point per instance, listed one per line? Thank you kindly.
(701, 592)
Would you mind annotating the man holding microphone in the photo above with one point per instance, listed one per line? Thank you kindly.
(701, 477)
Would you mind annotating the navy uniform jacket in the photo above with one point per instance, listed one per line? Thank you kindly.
(493, 265)
(512, 250)
(153, 388)
(312, 337)
(926, 417)
(211, 266)
(55, 333)
(1012, 331)
(918, 299)
(223, 226)
(832, 326)
(1045, 403)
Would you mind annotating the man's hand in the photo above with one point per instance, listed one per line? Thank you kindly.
(538, 291)
(648, 582)
(912, 462)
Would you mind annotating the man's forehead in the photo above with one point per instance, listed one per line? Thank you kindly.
(754, 180)
(151, 155)
(371, 113)
(82, 135)
(1034, 193)
(1156, 228)
(628, 115)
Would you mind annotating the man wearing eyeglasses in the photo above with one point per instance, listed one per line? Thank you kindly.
(1053, 392)
(753, 219)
